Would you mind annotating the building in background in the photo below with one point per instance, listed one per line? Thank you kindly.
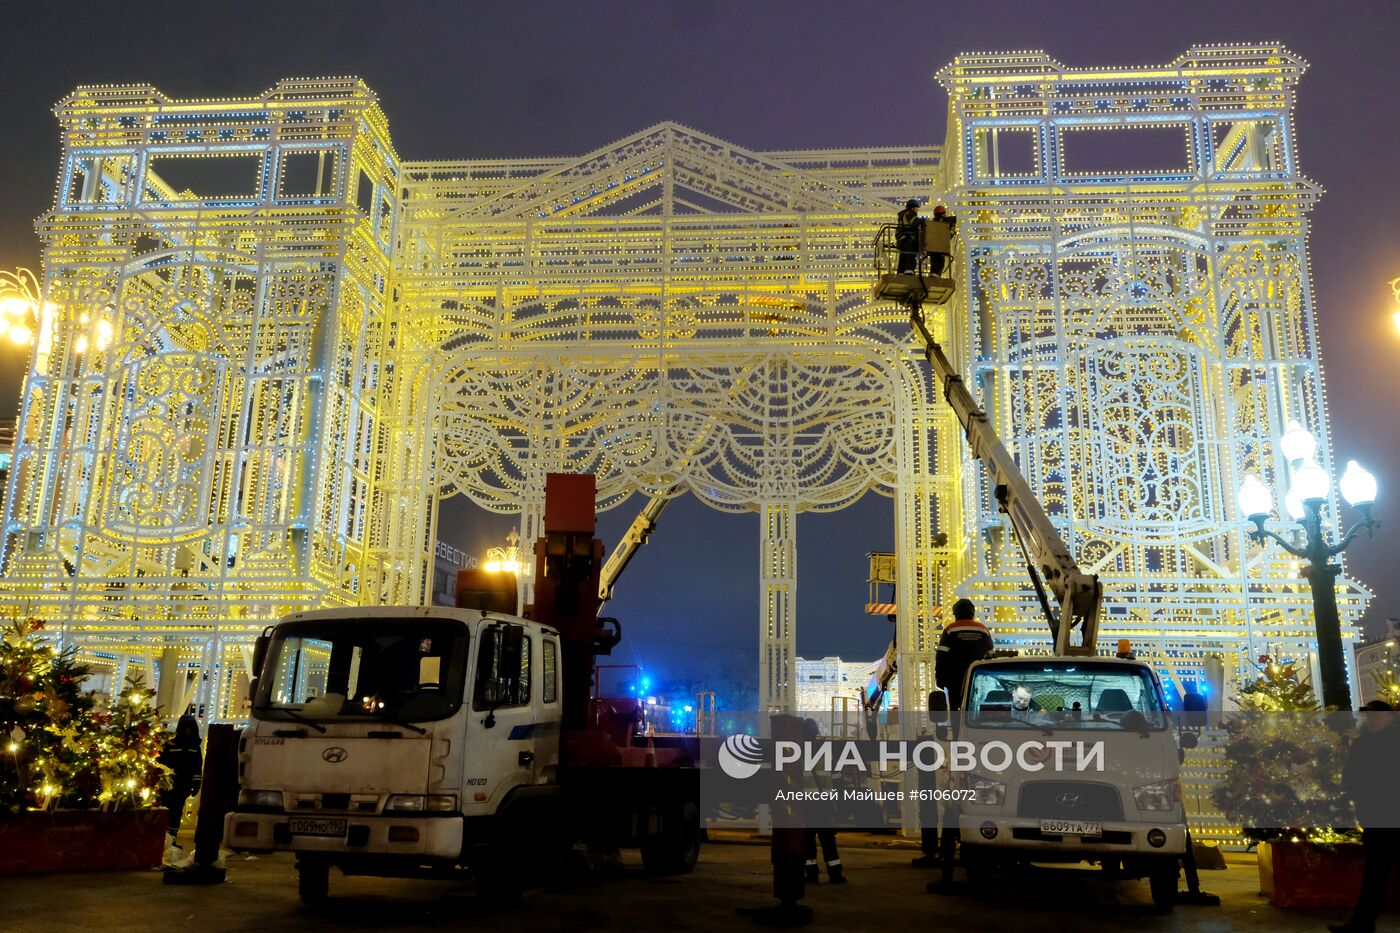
(447, 560)
(831, 685)
(1378, 666)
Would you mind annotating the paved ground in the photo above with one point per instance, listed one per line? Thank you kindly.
(884, 894)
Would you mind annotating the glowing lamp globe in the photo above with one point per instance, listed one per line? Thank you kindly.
(1297, 442)
(1311, 481)
(1293, 505)
(1358, 485)
(1255, 500)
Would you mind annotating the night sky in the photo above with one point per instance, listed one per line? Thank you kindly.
(463, 80)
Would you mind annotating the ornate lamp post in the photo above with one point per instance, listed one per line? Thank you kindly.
(506, 559)
(23, 325)
(19, 306)
(1303, 502)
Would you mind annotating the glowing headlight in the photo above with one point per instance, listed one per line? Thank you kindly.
(987, 792)
(418, 803)
(1161, 795)
(260, 798)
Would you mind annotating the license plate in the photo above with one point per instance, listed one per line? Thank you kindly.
(312, 826)
(1071, 827)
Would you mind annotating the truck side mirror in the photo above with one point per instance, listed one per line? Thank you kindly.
(938, 707)
(260, 647)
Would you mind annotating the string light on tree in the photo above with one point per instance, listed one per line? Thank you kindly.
(64, 751)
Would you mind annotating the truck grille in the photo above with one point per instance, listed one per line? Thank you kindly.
(1069, 800)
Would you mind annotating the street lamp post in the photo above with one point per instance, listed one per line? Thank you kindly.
(28, 321)
(19, 306)
(1304, 502)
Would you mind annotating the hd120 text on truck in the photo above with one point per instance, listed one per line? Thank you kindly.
(423, 741)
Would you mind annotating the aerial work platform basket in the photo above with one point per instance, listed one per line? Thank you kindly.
(922, 246)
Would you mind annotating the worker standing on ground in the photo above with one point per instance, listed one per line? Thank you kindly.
(906, 237)
(183, 756)
(1368, 779)
(820, 817)
(964, 640)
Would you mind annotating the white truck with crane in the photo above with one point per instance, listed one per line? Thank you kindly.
(421, 741)
(1130, 816)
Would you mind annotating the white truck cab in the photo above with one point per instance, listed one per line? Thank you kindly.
(1124, 809)
(398, 740)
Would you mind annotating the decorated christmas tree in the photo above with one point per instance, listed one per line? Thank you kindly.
(1283, 766)
(60, 750)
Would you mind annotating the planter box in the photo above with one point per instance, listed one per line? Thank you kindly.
(1304, 875)
(81, 840)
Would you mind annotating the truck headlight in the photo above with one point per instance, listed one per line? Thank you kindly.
(986, 792)
(1159, 795)
(260, 798)
(420, 803)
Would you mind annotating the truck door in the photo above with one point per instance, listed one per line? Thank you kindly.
(506, 726)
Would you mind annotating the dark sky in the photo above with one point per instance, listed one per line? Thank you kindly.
(472, 80)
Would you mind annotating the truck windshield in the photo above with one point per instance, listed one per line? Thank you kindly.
(1064, 695)
(410, 669)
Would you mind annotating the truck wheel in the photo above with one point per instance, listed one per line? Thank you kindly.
(676, 850)
(313, 881)
(1163, 881)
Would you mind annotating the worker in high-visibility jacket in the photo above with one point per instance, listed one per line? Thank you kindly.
(964, 640)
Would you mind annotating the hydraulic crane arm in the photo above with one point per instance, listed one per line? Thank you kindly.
(644, 524)
(632, 540)
(1051, 566)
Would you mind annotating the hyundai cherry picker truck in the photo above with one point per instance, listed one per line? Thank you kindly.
(1130, 814)
(426, 741)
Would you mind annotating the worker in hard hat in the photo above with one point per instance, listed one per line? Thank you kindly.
(938, 259)
(963, 641)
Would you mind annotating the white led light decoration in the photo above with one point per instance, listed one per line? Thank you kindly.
(247, 395)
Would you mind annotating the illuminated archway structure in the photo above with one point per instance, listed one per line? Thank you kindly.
(274, 345)
(1140, 318)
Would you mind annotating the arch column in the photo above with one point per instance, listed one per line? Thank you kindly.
(777, 594)
(928, 541)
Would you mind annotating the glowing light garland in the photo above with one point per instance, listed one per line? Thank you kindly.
(256, 387)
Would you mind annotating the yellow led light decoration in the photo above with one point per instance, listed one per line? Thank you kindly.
(270, 346)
